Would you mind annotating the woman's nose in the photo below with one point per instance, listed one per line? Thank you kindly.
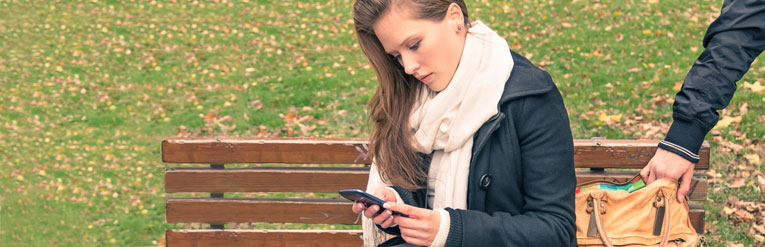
(410, 66)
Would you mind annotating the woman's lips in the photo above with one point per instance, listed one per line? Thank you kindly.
(427, 78)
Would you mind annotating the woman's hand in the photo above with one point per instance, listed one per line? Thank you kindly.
(420, 228)
(382, 218)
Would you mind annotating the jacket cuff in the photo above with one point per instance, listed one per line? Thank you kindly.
(455, 228)
(684, 138)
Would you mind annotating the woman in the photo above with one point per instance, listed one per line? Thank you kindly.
(470, 139)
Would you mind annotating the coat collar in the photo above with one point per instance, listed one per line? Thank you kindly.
(526, 79)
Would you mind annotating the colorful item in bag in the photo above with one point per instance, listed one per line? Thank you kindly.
(633, 185)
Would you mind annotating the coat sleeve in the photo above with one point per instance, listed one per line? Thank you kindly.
(731, 42)
(549, 181)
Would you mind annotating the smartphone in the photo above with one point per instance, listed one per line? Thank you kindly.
(358, 195)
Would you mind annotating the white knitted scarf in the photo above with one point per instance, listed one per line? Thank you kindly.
(444, 123)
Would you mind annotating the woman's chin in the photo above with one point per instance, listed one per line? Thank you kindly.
(436, 87)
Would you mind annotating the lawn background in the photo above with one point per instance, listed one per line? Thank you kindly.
(88, 89)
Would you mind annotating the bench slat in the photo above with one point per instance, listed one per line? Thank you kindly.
(279, 150)
(265, 179)
(326, 180)
(219, 211)
(623, 153)
(264, 238)
(587, 153)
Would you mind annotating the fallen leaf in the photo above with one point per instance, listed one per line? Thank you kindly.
(209, 117)
(726, 211)
(610, 119)
(516, 46)
(289, 118)
(710, 228)
(677, 86)
(753, 159)
(743, 216)
(758, 228)
(759, 238)
(743, 109)
(257, 104)
(738, 183)
(755, 87)
(725, 121)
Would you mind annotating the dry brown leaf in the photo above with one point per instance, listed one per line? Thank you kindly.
(726, 211)
(732, 146)
(759, 238)
(677, 86)
(727, 120)
(744, 108)
(516, 46)
(743, 216)
(710, 228)
(257, 104)
(755, 87)
(760, 229)
(738, 183)
(753, 159)
(289, 118)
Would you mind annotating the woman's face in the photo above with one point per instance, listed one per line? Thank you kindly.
(426, 49)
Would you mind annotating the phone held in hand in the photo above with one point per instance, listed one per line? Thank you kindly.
(358, 195)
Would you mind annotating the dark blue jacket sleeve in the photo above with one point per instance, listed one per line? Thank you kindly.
(731, 42)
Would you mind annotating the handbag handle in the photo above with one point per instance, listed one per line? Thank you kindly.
(602, 232)
(598, 222)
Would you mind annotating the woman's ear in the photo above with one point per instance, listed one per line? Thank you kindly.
(454, 17)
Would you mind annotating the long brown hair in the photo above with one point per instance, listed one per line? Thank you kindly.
(391, 105)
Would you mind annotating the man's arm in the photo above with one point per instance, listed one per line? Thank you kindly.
(731, 42)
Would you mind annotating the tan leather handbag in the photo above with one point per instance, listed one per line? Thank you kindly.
(632, 214)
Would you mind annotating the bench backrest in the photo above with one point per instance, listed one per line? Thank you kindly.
(314, 174)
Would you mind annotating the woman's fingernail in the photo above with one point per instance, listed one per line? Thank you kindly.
(386, 205)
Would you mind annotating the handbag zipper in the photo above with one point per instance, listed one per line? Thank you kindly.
(658, 221)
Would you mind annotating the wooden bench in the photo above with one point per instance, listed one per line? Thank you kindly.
(598, 156)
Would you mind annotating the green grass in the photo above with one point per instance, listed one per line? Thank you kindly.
(88, 89)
